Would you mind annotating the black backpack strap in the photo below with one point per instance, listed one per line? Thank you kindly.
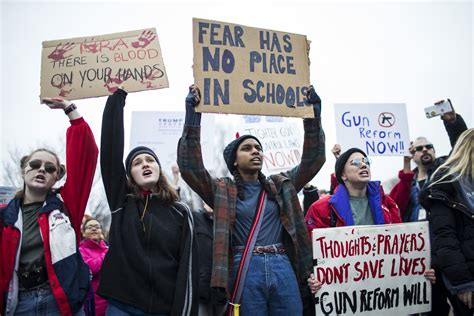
(332, 218)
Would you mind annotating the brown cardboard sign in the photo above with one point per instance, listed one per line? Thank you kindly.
(85, 67)
(246, 70)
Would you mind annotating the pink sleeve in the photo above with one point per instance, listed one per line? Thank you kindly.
(92, 259)
(81, 161)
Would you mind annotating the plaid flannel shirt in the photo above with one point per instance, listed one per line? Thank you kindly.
(221, 195)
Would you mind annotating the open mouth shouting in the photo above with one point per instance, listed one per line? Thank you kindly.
(147, 173)
(40, 178)
(364, 173)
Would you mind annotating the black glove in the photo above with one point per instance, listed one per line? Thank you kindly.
(192, 100)
(315, 100)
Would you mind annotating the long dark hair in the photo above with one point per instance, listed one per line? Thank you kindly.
(24, 161)
(163, 190)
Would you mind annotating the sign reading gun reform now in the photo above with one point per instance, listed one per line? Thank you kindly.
(95, 66)
(245, 70)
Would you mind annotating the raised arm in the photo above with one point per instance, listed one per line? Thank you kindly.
(111, 147)
(454, 128)
(189, 152)
(314, 154)
(81, 161)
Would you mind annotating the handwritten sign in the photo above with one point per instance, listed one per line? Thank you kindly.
(95, 66)
(281, 141)
(378, 129)
(245, 70)
(367, 270)
(160, 131)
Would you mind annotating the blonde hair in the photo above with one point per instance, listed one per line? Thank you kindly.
(459, 162)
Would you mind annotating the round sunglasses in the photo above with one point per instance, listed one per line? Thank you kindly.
(49, 167)
(358, 162)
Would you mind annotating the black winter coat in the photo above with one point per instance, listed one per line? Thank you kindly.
(452, 223)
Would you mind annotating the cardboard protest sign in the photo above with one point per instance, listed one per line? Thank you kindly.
(246, 70)
(372, 270)
(378, 129)
(7, 194)
(160, 131)
(281, 141)
(85, 67)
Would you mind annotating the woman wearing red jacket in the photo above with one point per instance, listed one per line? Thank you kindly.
(41, 269)
(357, 200)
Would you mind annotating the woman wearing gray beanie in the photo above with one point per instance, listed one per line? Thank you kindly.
(152, 264)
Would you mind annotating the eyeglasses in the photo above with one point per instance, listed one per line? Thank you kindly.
(358, 162)
(420, 148)
(48, 166)
(92, 227)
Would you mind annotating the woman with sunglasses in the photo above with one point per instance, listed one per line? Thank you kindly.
(356, 201)
(42, 271)
(152, 263)
(93, 249)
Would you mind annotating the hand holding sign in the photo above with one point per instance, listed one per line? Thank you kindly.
(315, 100)
(192, 100)
(56, 103)
(314, 284)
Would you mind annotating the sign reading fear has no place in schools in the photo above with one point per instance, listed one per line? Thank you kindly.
(372, 269)
(85, 67)
(246, 70)
(378, 129)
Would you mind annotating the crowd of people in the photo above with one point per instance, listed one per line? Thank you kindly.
(248, 251)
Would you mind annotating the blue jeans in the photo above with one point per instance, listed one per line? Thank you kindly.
(270, 287)
(39, 301)
(115, 308)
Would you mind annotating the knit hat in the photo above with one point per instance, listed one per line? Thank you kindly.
(341, 162)
(135, 152)
(231, 150)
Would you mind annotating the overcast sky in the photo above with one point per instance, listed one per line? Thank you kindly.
(361, 52)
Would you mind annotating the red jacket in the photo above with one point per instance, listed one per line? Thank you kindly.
(384, 209)
(59, 222)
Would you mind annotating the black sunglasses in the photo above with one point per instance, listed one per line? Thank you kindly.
(48, 166)
(420, 148)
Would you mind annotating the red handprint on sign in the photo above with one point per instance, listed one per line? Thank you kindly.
(63, 85)
(155, 74)
(144, 39)
(60, 50)
(112, 84)
(90, 48)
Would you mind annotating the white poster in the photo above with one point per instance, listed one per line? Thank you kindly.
(161, 131)
(372, 270)
(281, 139)
(378, 129)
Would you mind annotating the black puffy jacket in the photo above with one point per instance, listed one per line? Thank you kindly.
(451, 217)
